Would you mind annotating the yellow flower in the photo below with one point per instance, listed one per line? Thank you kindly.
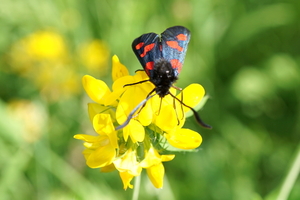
(45, 45)
(43, 58)
(38, 48)
(153, 164)
(139, 144)
(95, 55)
(100, 150)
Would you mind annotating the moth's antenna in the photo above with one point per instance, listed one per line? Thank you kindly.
(135, 109)
(198, 119)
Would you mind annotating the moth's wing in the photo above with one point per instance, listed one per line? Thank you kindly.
(147, 49)
(174, 43)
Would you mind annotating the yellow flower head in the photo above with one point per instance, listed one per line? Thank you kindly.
(95, 55)
(154, 126)
(43, 58)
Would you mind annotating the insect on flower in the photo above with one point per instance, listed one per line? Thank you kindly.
(162, 58)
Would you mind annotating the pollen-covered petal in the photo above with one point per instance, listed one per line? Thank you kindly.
(184, 139)
(126, 179)
(166, 119)
(192, 95)
(97, 90)
(118, 69)
(156, 175)
(101, 157)
(135, 130)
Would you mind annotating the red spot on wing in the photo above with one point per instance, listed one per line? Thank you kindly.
(174, 45)
(147, 48)
(139, 45)
(149, 66)
(176, 64)
(181, 37)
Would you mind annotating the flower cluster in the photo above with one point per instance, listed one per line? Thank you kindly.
(43, 58)
(145, 142)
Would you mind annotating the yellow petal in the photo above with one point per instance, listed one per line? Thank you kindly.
(118, 69)
(184, 139)
(87, 152)
(142, 74)
(165, 158)
(125, 106)
(156, 175)
(108, 168)
(112, 98)
(131, 98)
(128, 163)
(94, 109)
(101, 157)
(126, 179)
(96, 145)
(166, 119)
(135, 130)
(121, 82)
(192, 95)
(158, 104)
(97, 90)
(86, 138)
(152, 158)
(103, 126)
(146, 115)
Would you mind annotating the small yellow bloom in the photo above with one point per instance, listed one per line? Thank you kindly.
(153, 164)
(45, 45)
(101, 149)
(128, 163)
(94, 55)
(43, 58)
(132, 148)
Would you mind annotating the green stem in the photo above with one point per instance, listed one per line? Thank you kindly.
(136, 189)
(290, 178)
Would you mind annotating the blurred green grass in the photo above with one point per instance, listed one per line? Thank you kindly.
(244, 53)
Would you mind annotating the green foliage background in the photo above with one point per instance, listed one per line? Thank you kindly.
(244, 52)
